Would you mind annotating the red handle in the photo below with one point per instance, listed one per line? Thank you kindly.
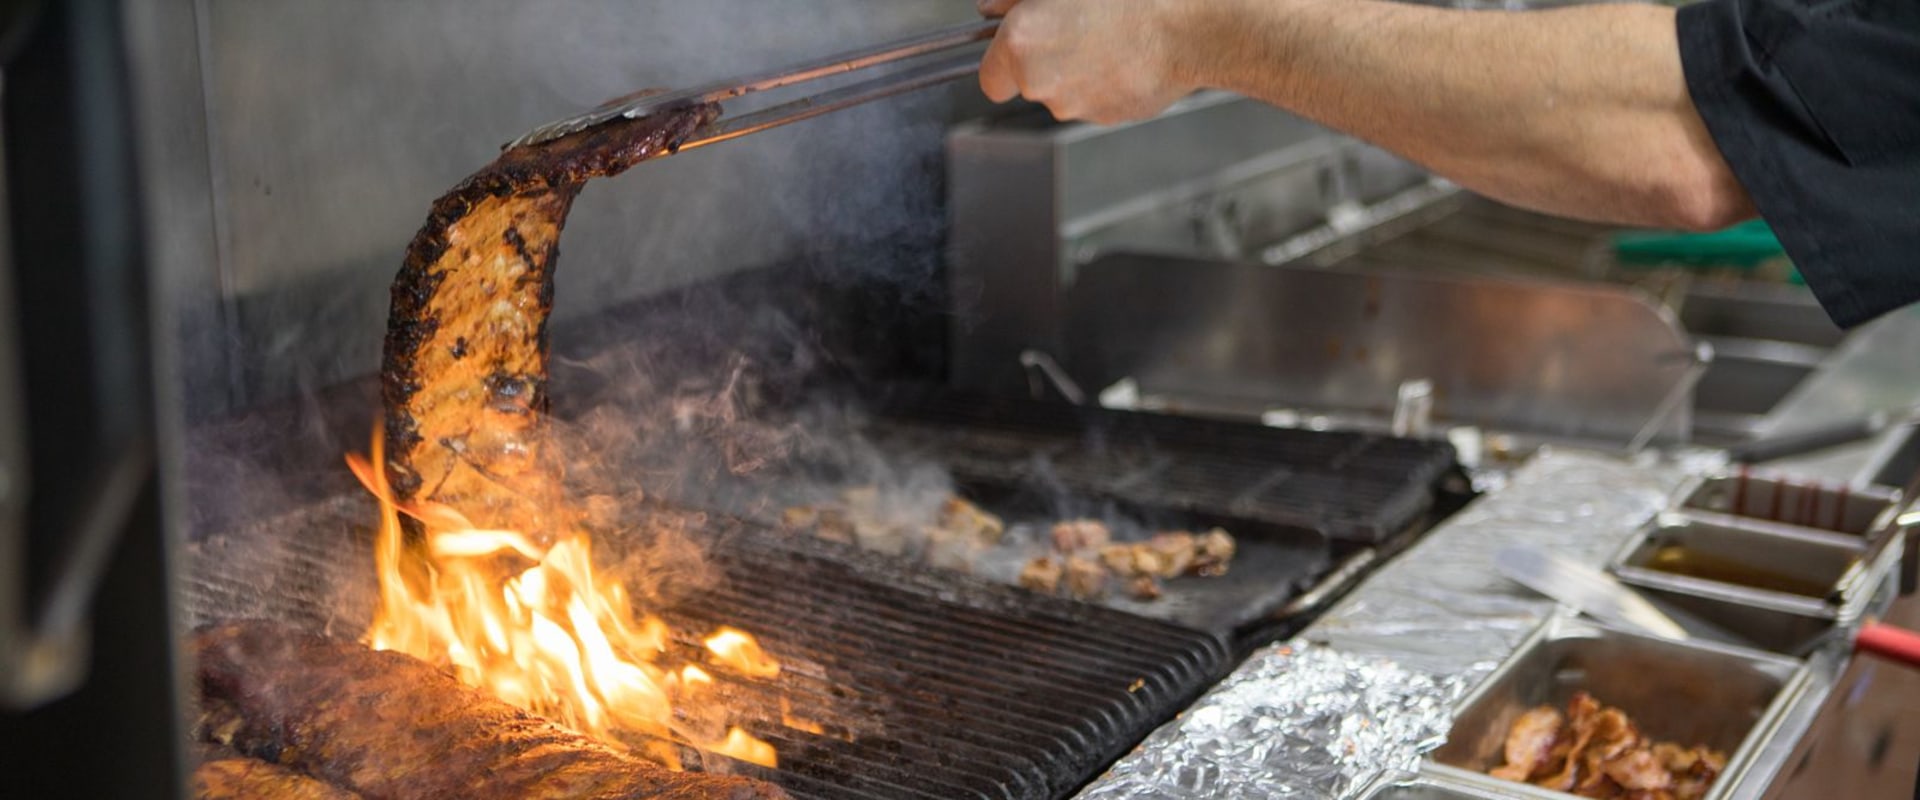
(1887, 641)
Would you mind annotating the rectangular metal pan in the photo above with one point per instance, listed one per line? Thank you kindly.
(1684, 692)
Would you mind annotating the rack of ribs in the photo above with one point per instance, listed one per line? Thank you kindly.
(464, 372)
(387, 725)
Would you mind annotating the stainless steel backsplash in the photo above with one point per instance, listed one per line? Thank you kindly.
(293, 147)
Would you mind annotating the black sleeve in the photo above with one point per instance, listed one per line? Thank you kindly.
(1816, 106)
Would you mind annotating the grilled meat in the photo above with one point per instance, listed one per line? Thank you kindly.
(1596, 751)
(391, 726)
(1080, 534)
(242, 778)
(1171, 555)
(464, 375)
(961, 517)
(1043, 574)
(1086, 579)
(1529, 743)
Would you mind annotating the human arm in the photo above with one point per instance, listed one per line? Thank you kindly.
(1581, 112)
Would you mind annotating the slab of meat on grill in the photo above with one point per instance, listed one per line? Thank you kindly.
(240, 778)
(464, 373)
(388, 725)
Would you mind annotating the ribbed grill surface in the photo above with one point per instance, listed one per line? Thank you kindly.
(962, 690)
(1351, 486)
(925, 684)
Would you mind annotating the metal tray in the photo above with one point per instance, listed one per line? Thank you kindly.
(1853, 511)
(1687, 692)
(1429, 787)
(1741, 617)
(1819, 567)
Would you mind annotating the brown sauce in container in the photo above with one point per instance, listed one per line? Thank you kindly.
(1686, 561)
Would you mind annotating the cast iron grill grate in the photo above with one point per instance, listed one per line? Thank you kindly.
(922, 684)
(1351, 486)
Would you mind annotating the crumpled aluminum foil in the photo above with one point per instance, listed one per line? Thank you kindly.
(1296, 721)
(1443, 608)
(1369, 687)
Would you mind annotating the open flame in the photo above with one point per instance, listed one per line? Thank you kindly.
(543, 630)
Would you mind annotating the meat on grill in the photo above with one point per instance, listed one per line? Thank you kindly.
(464, 373)
(388, 725)
(242, 778)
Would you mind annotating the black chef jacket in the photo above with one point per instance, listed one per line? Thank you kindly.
(1816, 107)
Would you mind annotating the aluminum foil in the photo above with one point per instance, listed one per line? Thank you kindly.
(1296, 721)
(1369, 688)
(1443, 608)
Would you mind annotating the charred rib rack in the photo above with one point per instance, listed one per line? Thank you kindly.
(464, 374)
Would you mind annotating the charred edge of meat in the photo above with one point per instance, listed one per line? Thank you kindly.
(389, 725)
(561, 166)
(226, 775)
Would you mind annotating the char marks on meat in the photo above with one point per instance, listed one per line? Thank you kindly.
(241, 778)
(464, 374)
(388, 725)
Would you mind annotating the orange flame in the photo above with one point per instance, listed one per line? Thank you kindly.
(541, 629)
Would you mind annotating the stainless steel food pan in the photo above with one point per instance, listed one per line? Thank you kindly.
(1770, 560)
(1852, 511)
(1428, 787)
(1685, 692)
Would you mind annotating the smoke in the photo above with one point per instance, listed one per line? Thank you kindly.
(670, 405)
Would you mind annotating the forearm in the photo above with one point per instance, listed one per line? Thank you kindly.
(1581, 111)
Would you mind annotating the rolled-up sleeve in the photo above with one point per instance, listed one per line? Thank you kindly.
(1816, 107)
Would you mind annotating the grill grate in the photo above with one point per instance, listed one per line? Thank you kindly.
(1351, 486)
(924, 684)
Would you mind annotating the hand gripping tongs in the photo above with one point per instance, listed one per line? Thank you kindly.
(903, 80)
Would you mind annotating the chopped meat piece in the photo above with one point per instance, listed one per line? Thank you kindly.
(1530, 743)
(1639, 771)
(1086, 579)
(1118, 559)
(464, 371)
(1148, 561)
(1173, 552)
(961, 516)
(1075, 535)
(1216, 551)
(388, 725)
(1145, 587)
(1042, 574)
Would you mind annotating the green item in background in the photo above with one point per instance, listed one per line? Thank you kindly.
(1744, 246)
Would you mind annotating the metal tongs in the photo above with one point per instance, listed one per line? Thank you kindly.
(894, 83)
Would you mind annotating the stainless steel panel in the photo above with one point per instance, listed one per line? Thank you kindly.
(1901, 462)
(1757, 311)
(1031, 201)
(1821, 563)
(326, 129)
(1689, 693)
(1873, 370)
(1570, 360)
(1856, 511)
